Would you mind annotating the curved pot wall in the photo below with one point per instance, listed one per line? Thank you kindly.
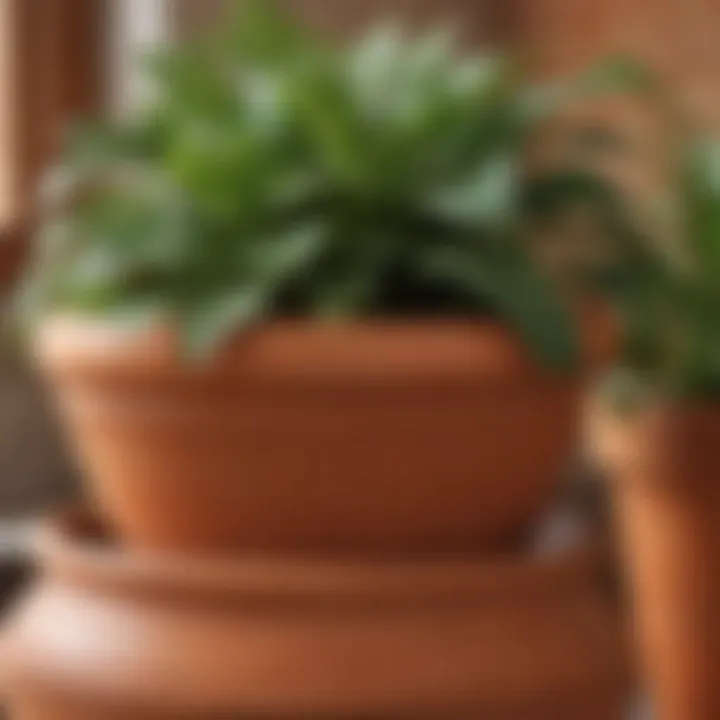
(664, 468)
(386, 437)
(107, 633)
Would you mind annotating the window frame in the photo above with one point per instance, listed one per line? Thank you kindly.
(51, 71)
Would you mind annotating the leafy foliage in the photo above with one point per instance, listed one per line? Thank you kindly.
(274, 175)
(668, 283)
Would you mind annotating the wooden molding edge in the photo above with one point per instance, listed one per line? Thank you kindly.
(14, 252)
(52, 70)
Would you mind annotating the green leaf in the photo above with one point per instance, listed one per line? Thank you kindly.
(519, 294)
(487, 198)
(373, 70)
(290, 253)
(611, 76)
(480, 77)
(352, 273)
(327, 121)
(619, 74)
(549, 196)
(263, 33)
(213, 319)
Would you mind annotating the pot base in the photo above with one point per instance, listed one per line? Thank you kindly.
(110, 635)
(51, 709)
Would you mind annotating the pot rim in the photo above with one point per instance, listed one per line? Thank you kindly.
(621, 444)
(70, 546)
(387, 349)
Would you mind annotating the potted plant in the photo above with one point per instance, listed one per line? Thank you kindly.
(655, 427)
(288, 303)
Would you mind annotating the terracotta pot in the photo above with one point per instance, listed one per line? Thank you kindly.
(114, 634)
(387, 437)
(665, 465)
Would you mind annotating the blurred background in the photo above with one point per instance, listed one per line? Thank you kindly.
(64, 59)
(60, 59)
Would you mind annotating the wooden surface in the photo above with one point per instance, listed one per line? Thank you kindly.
(49, 73)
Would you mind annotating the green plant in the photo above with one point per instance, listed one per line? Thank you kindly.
(274, 175)
(667, 286)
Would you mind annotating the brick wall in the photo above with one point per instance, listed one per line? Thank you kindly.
(478, 20)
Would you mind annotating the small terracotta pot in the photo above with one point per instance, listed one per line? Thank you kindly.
(664, 465)
(385, 436)
(115, 634)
